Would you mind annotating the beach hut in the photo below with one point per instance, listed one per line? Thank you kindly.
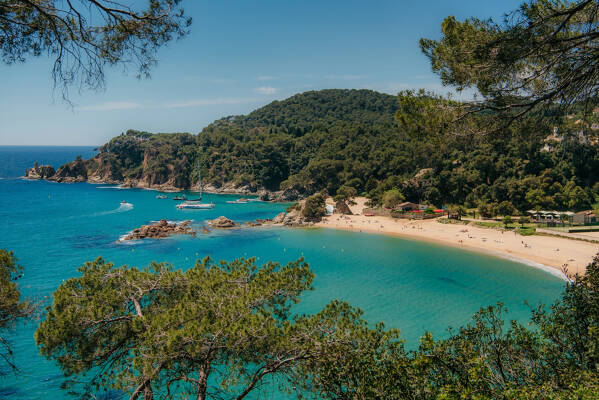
(584, 217)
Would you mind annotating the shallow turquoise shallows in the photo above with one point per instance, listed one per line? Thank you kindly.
(415, 286)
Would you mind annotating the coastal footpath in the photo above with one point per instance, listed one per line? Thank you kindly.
(555, 252)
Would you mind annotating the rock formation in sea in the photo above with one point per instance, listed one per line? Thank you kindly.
(159, 230)
(222, 222)
(40, 172)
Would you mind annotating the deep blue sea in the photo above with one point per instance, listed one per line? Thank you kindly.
(414, 286)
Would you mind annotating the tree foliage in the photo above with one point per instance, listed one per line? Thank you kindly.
(314, 207)
(84, 36)
(216, 329)
(331, 139)
(392, 198)
(543, 54)
(12, 307)
(219, 330)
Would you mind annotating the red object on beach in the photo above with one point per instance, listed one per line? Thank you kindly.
(417, 211)
(439, 211)
(369, 215)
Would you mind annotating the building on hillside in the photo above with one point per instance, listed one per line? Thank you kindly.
(584, 217)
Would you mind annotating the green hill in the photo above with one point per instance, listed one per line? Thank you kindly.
(322, 140)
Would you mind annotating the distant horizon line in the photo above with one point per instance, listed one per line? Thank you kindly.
(50, 145)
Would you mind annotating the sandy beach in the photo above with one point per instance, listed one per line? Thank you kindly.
(538, 251)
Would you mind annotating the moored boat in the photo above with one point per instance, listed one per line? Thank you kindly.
(195, 206)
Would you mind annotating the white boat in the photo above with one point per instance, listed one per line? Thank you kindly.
(161, 196)
(196, 204)
(238, 201)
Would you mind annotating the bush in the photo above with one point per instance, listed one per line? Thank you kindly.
(523, 220)
(392, 198)
(345, 193)
(314, 208)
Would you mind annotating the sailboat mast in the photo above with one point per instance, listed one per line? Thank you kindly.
(200, 179)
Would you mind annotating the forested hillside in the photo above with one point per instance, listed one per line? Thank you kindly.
(322, 140)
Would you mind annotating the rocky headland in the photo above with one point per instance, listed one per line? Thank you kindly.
(160, 230)
(100, 170)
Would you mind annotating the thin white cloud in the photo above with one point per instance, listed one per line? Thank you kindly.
(127, 105)
(112, 105)
(266, 78)
(266, 90)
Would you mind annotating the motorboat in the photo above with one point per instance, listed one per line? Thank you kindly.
(182, 197)
(161, 196)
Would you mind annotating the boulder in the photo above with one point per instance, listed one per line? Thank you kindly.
(264, 195)
(222, 222)
(159, 230)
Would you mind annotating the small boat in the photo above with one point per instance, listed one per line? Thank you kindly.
(182, 197)
(195, 206)
(125, 204)
(161, 196)
(238, 201)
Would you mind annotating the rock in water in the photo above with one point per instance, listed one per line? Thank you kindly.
(222, 222)
(40, 172)
(160, 229)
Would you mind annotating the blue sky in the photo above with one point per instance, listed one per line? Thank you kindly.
(239, 56)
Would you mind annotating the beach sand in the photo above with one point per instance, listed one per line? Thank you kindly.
(538, 251)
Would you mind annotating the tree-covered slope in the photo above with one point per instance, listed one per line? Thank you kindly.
(322, 140)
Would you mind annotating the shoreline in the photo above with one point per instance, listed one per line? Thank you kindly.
(550, 254)
(555, 271)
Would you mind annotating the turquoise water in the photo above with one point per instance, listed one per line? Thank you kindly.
(415, 286)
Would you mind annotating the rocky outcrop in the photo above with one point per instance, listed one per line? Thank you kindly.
(342, 208)
(222, 222)
(104, 169)
(228, 188)
(75, 171)
(40, 172)
(159, 230)
(279, 218)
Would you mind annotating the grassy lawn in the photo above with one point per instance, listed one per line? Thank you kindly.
(525, 229)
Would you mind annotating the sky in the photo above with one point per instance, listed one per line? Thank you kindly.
(239, 56)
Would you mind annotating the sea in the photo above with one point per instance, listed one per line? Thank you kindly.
(415, 286)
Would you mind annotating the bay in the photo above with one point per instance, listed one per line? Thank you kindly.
(414, 286)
